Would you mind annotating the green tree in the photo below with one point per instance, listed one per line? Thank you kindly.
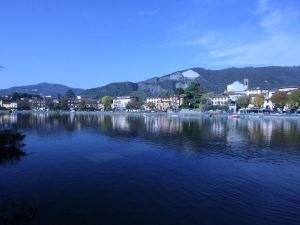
(82, 106)
(194, 88)
(258, 101)
(62, 105)
(280, 99)
(133, 104)
(70, 94)
(179, 91)
(151, 105)
(294, 99)
(243, 102)
(106, 101)
(193, 96)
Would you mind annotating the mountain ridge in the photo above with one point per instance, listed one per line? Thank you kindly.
(43, 89)
(271, 77)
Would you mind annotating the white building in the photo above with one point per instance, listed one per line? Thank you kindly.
(154, 100)
(268, 104)
(288, 89)
(219, 100)
(254, 92)
(237, 87)
(235, 96)
(8, 104)
(257, 91)
(120, 103)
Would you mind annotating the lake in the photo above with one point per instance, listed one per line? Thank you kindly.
(135, 169)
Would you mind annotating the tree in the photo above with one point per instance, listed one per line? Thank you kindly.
(106, 101)
(193, 95)
(194, 88)
(70, 94)
(243, 102)
(133, 104)
(279, 99)
(82, 106)
(151, 105)
(258, 101)
(179, 91)
(294, 99)
(64, 104)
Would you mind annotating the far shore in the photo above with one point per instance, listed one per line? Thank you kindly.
(190, 113)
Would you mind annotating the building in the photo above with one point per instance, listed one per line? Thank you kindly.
(219, 100)
(90, 104)
(100, 106)
(257, 91)
(268, 104)
(165, 103)
(153, 100)
(38, 104)
(175, 101)
(8, 104)
(254, 92)
(237, 87)
(74, 103)
(120, 103)
(233, 96)
(288, 89)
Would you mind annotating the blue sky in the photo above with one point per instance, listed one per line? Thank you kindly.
(90, 43)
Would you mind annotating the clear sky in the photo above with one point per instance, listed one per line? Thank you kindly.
(89, 43)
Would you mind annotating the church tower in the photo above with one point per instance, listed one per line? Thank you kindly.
(246, 83)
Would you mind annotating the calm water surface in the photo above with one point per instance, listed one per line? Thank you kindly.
(155, 169)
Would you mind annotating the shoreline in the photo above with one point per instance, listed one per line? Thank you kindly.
(173, 114)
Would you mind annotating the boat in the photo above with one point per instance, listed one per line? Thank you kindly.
(235, 116)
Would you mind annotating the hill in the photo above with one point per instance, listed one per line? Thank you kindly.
(113, 89)
(42, 89)
(210, 80)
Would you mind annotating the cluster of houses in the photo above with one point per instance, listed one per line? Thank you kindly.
(77, 103)
(158, 103)
(237, 90)
(233, 92)
(46, 103)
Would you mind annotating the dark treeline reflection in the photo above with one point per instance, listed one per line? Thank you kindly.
(11, 143)
(196, 134)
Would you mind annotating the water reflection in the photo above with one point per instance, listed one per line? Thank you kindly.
(156, 169)
(196, 134)
(11, 143)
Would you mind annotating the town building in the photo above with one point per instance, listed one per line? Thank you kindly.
(233, 96)
(153, 100)
(237, 87)
(8, 104)
(219, 100)
(165, 103)
(100, 106)
(38, 104)
(120, 103)
(288, 89)
(257, 91)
